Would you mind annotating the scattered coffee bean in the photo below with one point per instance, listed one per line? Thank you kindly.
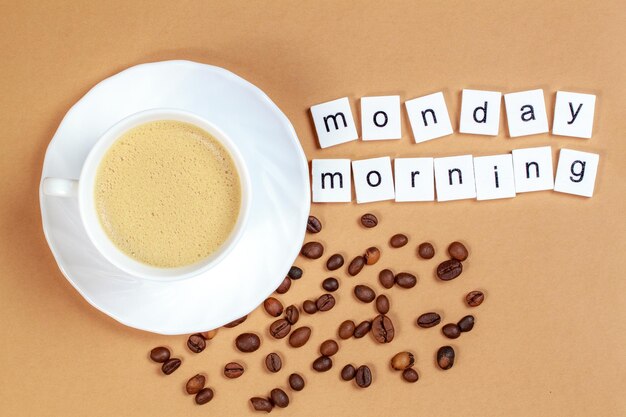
(279, 398)
(457, 251)
(204, 396)
(237, 322)
(330, 284)
(292, 314)
(474, 298)
(382, 304)
(296, 382)
(406, 280)
(362, 329)
(309, 307)
(196, 343)
(364, 293)
(261, 404)
(382, 329)
(346, 329)
(363, 376)
(300, 336)
(466, 323)
(402, 360)
(426, 250)
(280, 328)
(160, 354)
(348, 372)
(369, 220)
(233, 370)
(445, 357)
(210, 334)
(313, 225)
(398, 240)
(329, 347)
(273, 307)
(450, 269)
(284, 286)
(356, 265)
(386, 278)
(312, 250)
(247, 342)
(273, 363)
(325, 302)
(195, 384)
(410, 375)
(427, 320)
(334, 262)
(170, 365)
(322, 364)
(295, 272)
(451, 331)
(372, 255)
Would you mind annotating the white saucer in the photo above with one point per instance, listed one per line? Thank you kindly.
(278, 213)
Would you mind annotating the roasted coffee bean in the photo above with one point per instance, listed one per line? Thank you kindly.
(334, 262)
(369, 220)
(466, 323)
(329, 347)
(426, 250)
(273, 363)
(451, 331)
(296, 382)
(356, 265)
(372, 255)
(247, 342)
(382, 304)
(210, 334)
(237, 322)
(233, 370)
(284, 286)
(170, 365)
(386, 278)
(300, 336)
(195, 384)
(325, 302)
(160, 354)
(445, 357)
(363, 376)
(313, 225)
(427, 320)
(279, 398)
(406, 280)
(382, 329)
(364, 293)
(312, 250)
(450, 269)
(346, 329)
(309, 307)
(398, 240)
(410, 375)
(362, 329)
(330, 284)
(204, 396)
(261, 404)
(280, 328)
(273, 307)
(457, 251)
(474, 298)
(402, 360)
(348, 372)
(196, 343)
(322, 364)
(292, 314)
(295, 272)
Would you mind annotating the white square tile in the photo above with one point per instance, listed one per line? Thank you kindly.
(454, 177)
(526, 113)
(373, 180)
(334, 122)
(480, 112)
(429, 117)
(576, 172)
(573, 114)
(533, 169)
(331, 180)
(380, 118)
(494, 177)
(414, 179)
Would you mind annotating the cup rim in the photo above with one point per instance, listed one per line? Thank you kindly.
(91, 221)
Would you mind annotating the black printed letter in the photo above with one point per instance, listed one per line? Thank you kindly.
(432, 113)
(458, 171)
(332, 179)
(384, 115)
(495, 174)
(528, 165)
(581, 172)
(334, 119)
(484, 110)
(529, 114)
(413, 174)
(574, 114)
(370, 182)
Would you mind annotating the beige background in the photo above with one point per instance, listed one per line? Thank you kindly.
(549, 340)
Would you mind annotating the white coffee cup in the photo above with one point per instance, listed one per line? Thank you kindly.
(83, 189)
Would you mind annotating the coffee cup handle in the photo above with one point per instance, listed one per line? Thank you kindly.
(60, 187)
